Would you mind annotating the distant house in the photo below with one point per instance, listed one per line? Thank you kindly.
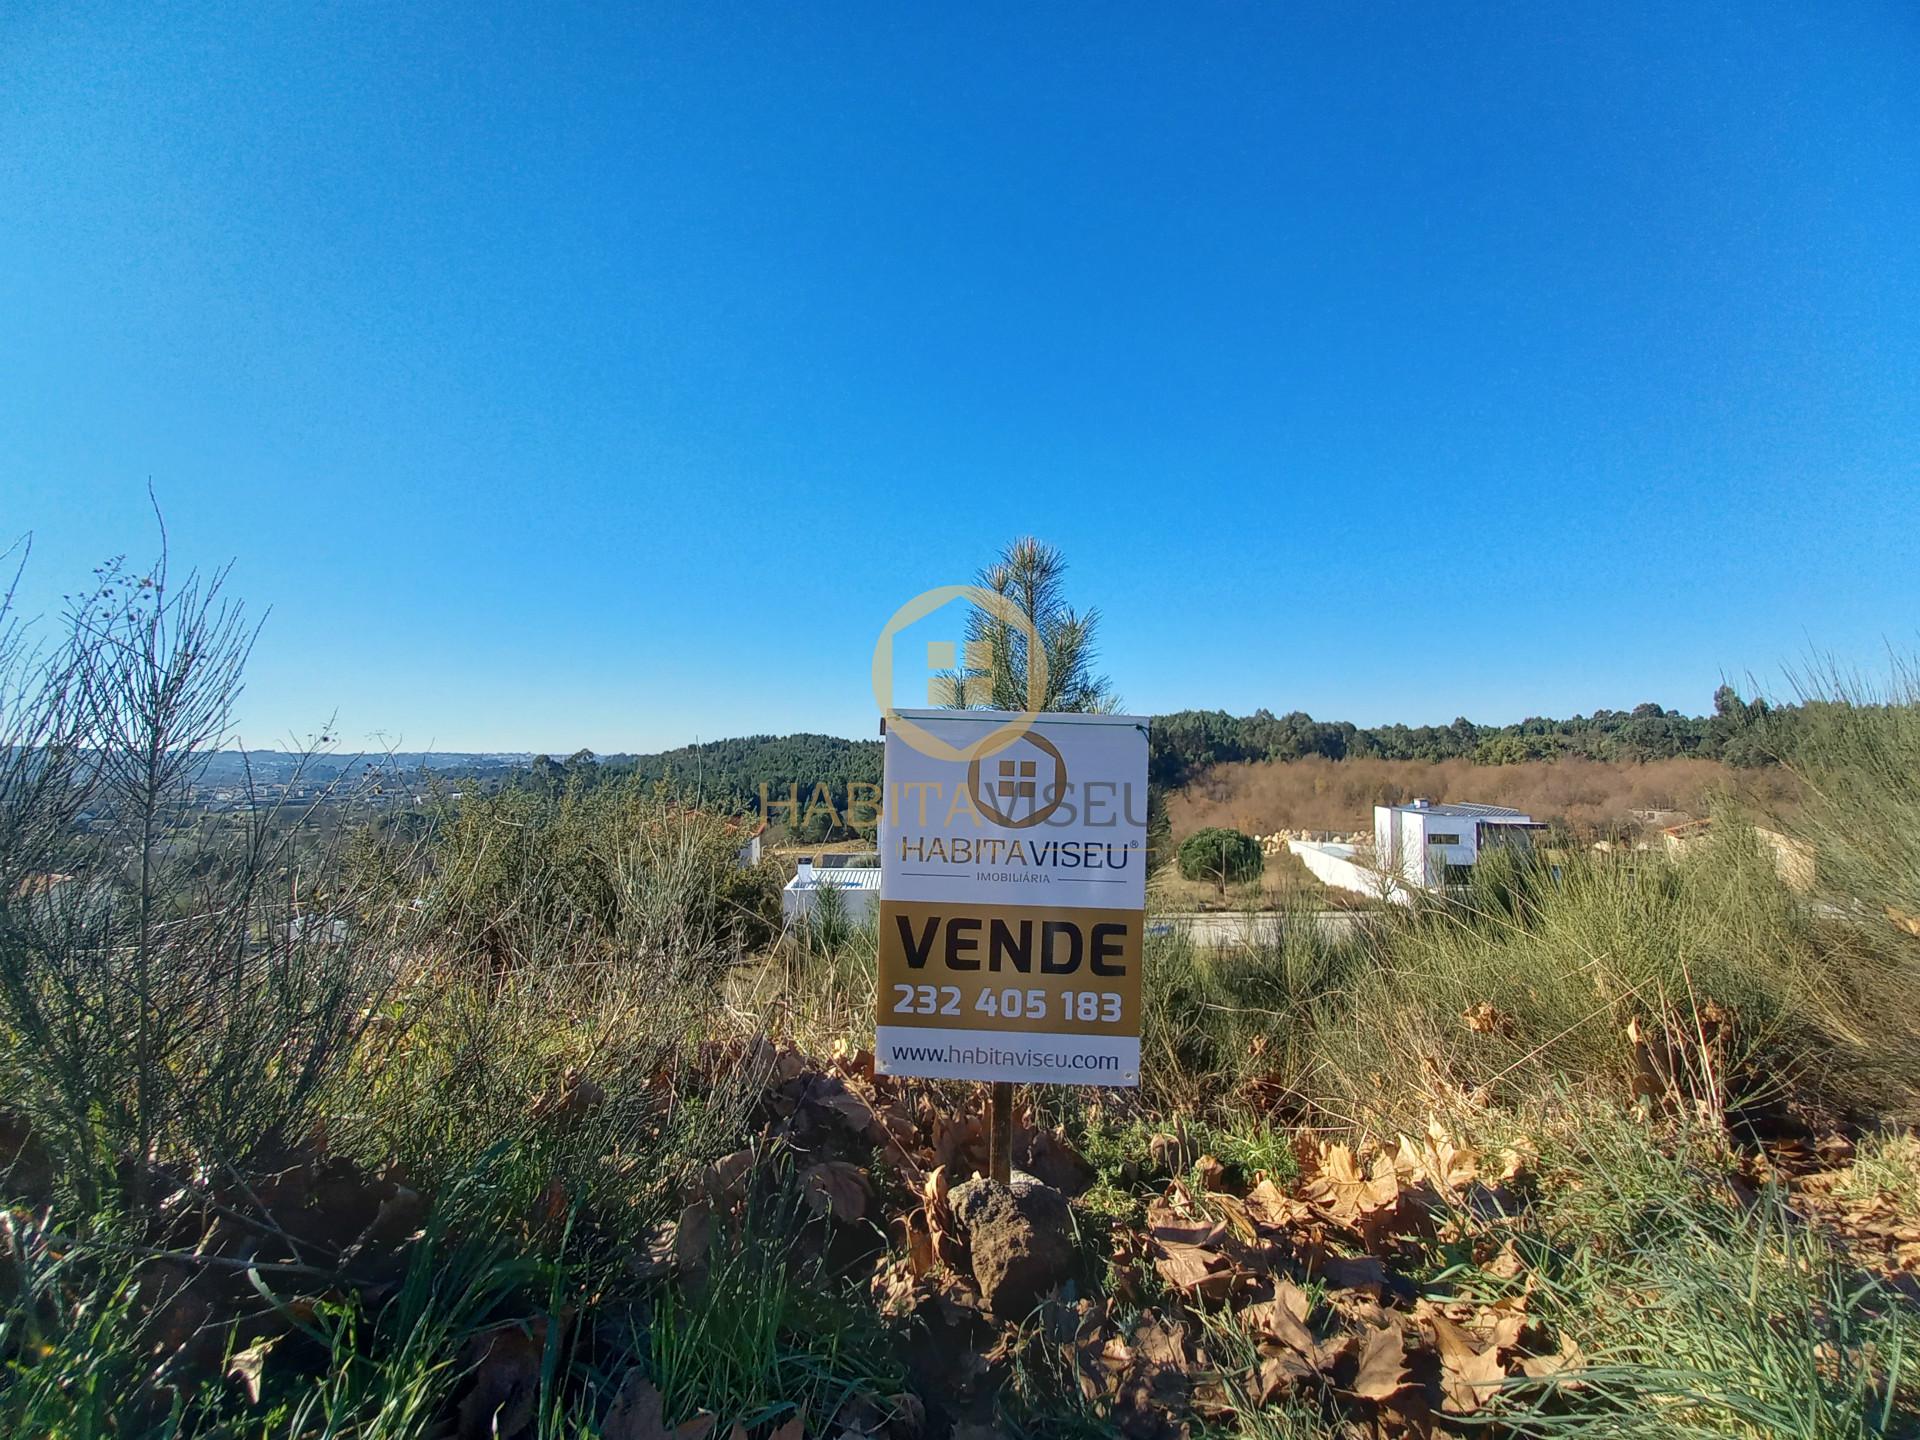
(1431, 846)
(859, 887)
(751, 848)
(1679, 839)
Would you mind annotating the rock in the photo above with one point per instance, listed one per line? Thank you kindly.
(1021, 1239)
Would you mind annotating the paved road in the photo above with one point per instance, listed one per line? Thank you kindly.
(1233, 929)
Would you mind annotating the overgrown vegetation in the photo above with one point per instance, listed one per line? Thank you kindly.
(525, 1119)
(1582, 799)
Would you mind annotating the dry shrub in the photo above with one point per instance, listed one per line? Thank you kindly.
(1590, 795)
(1707, 984)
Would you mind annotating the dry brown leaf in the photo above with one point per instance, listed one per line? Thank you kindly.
(1291, 1298)
(1383, 1365)
(919, 1247)
(1518, 1158)
(837, 1186)
(1506, 1263)
(1277, 1319)
(1195, 1271)
(1331, 1351)
(1347, 1192)
(1484, 1018)
(1363, 1273)
(933, 1191)
(506, 1378)
(1159, 1341)
(1436, 1161)
(247, 1365)
(1234, 1210)
(656, 1254)
(1467, 1376)
(1169, 1226)
(1266, 1204)
(692, 1234)
(909, 1413)
(1279, 1374)
(1567, 1363)
(851, 1061)
(725, 1181)
(793, 1428)
(636, 1411)
(550, 1206)
(1211, 1173)
(1500, 1324)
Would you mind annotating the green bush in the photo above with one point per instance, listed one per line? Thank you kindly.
(615, 869)
(1222, 856)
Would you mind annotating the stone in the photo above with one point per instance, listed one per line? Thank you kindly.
(1021, 1239)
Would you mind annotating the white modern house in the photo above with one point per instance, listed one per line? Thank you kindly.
(859, 887)
(1431, 846)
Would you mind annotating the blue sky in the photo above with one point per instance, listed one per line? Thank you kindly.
(567, 378)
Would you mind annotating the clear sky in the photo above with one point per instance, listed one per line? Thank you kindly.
(606, 376)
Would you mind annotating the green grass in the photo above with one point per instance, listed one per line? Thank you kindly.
(767, 1334)
(1885, 1164)
(1702, 1315)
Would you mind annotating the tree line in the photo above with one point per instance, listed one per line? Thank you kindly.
(1738, 732)
(821, 786)
(816, 783)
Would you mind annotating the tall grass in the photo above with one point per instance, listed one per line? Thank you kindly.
(1700, 1312)
(169, 987)
(1855, 747)
(1709, 982)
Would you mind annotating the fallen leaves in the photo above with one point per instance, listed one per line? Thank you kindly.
(1306, 1280)
(1383, 1364)
(1346, 1191)
(636, 1414)
(1564, 1366)
(1469, 1376)
(246, 1366)
(505, 1381)
(562, 1108)
(835, 1187)
(1484, 1018)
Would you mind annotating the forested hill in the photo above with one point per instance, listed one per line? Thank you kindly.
(1186, 742)
(730, 775)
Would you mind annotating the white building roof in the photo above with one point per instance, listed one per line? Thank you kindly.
(844, 877)
(1465, 810)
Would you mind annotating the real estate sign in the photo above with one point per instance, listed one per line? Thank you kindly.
(1012, 897)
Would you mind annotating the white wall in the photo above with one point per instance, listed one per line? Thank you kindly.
(1334, 865)
(858, 904)
(1400, 844)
